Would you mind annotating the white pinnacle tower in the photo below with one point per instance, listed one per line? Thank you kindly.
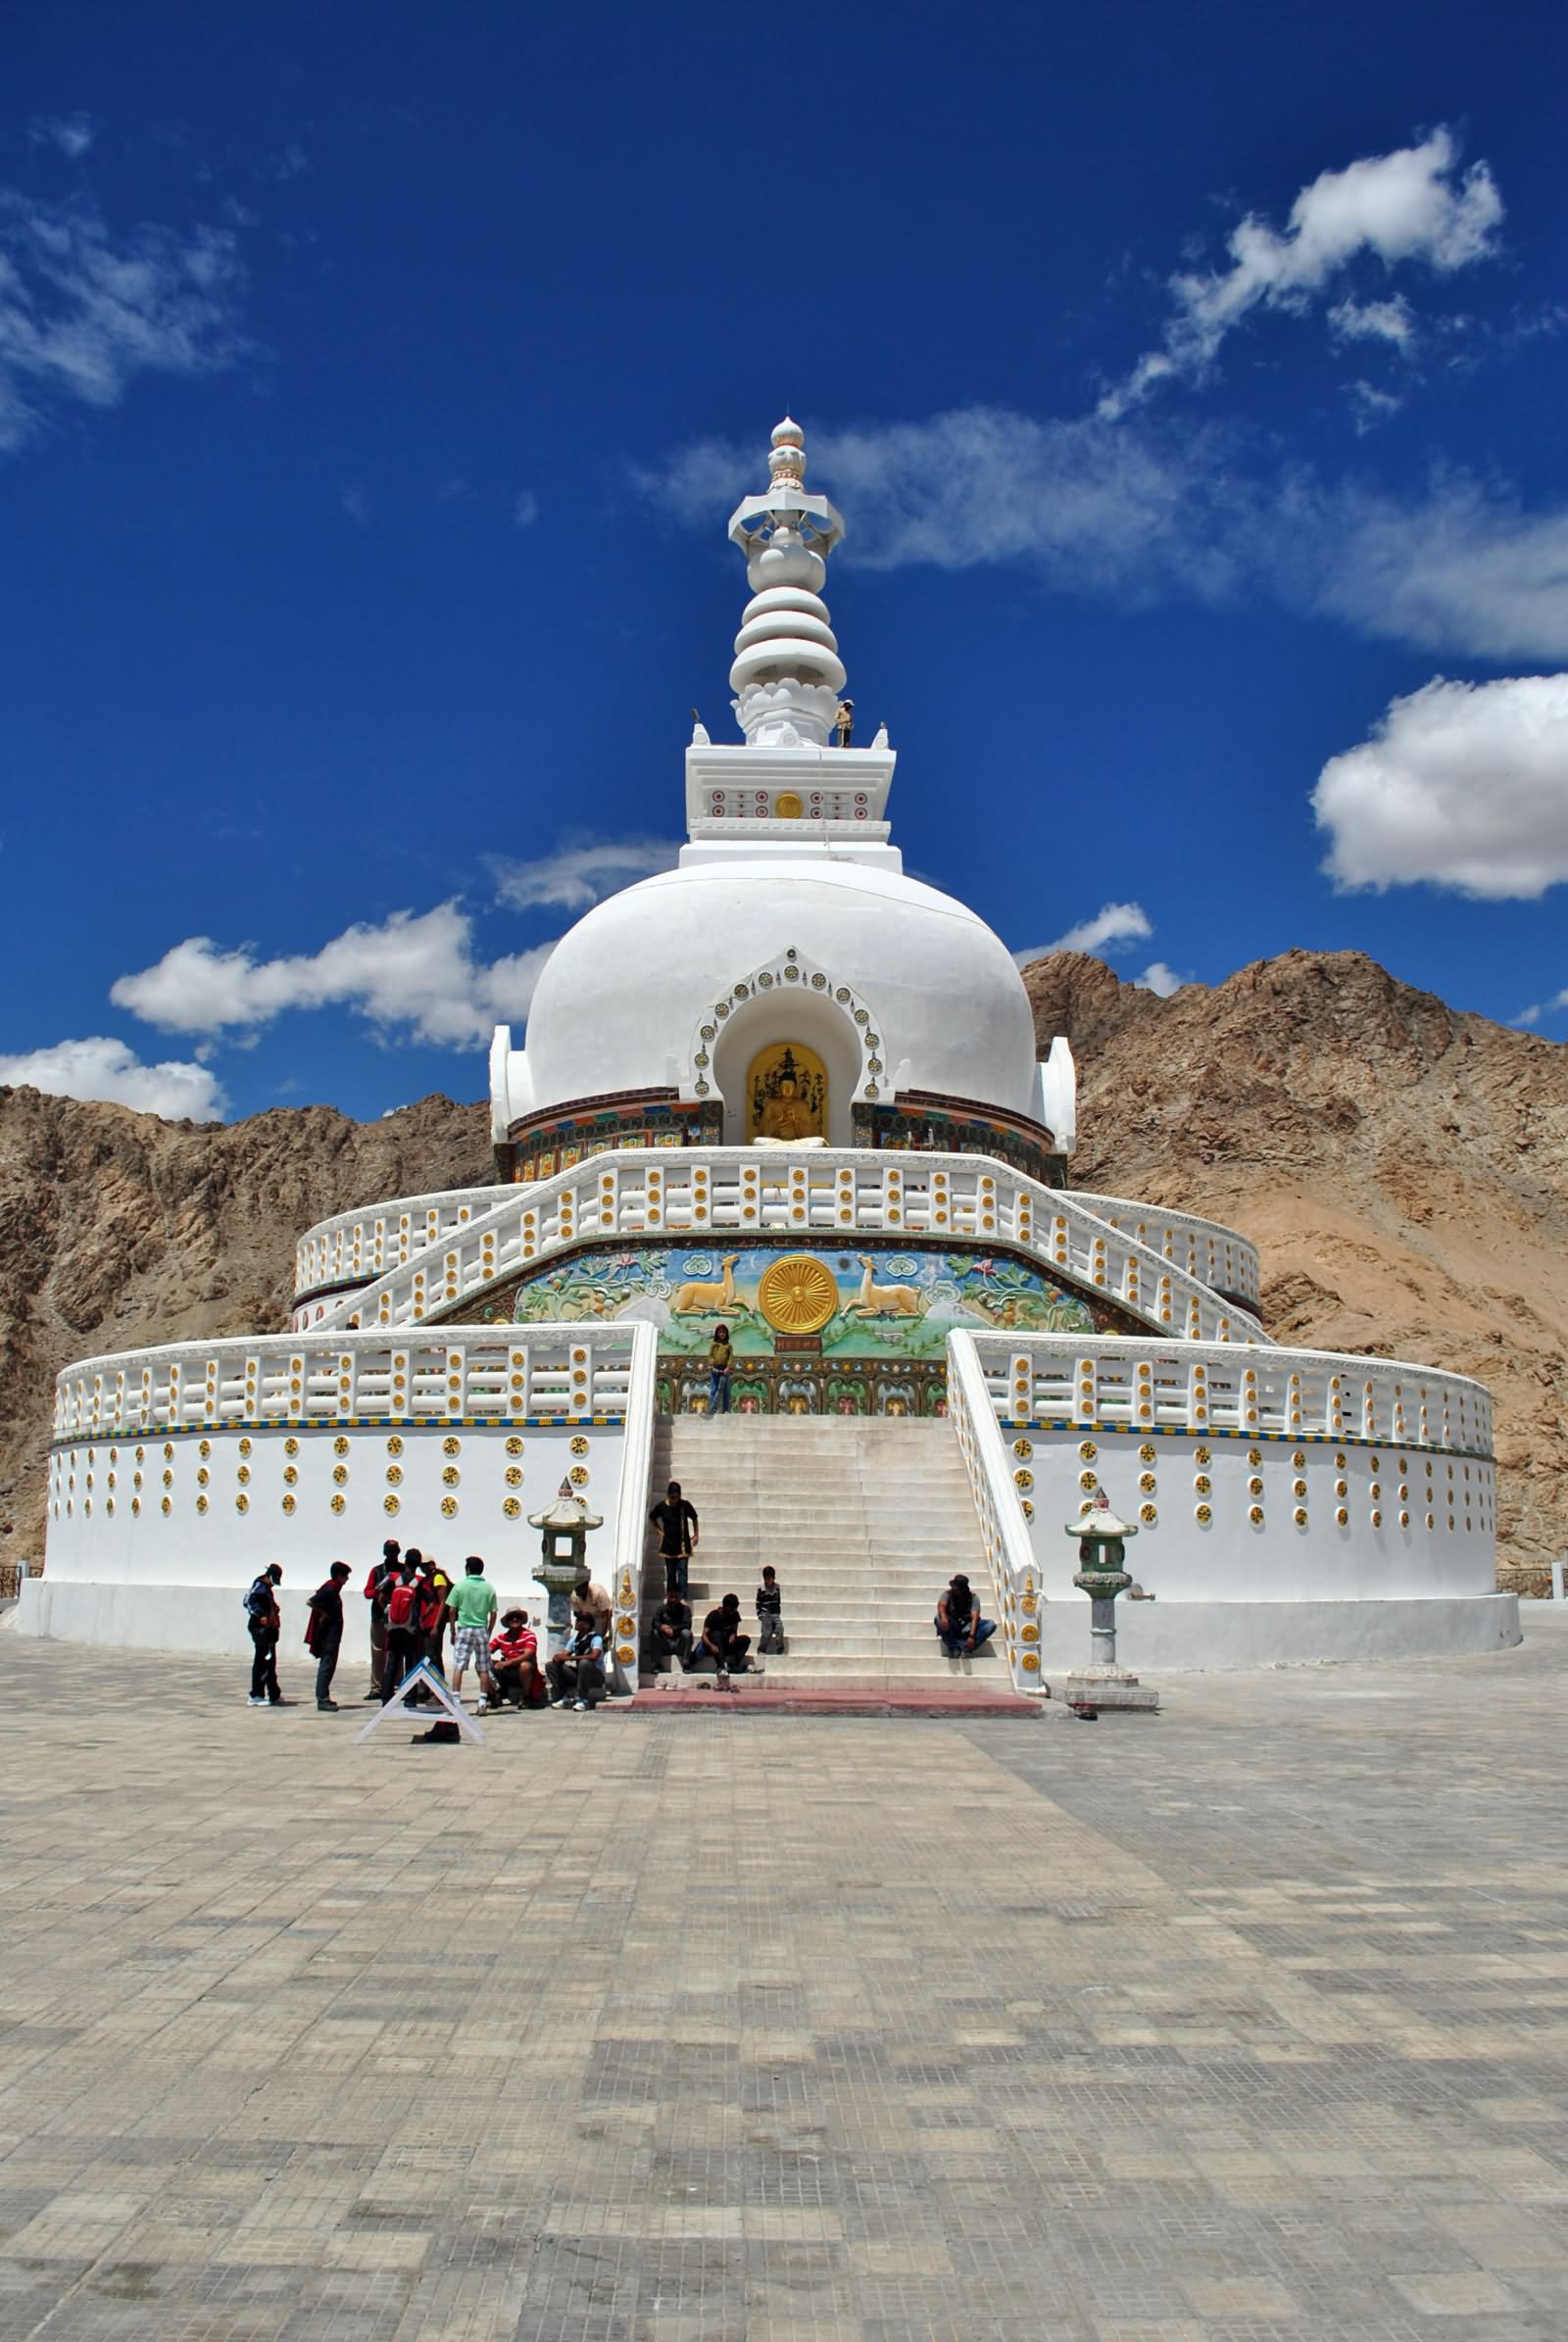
(787, 674)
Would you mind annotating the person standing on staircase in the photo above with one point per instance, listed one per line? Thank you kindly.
(769, 1612)
(720, 1359)
(676, 1519)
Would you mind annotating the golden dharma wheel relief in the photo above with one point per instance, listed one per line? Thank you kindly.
(798, 1294)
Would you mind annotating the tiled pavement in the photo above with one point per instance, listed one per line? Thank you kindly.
(1246, 2023)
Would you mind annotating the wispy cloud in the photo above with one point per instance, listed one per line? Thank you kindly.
(84, 312)
(108, 1070)
(1413, 205)
(72, 133)
(1110, 929)
(1462, 786)
(1143, 512)
(354, 501)
(580, 872)
(525, 508)
(415, 976)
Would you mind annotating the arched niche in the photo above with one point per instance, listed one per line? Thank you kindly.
(796, 1009)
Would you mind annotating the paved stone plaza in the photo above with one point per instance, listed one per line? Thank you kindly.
(1247, 2021)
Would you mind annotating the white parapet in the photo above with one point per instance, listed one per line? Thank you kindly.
(700, 1192)
(176, 1474)
(1290, 1505)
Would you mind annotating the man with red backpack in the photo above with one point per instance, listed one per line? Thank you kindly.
(377, 1586)
(405, 1631)
(324, 1633)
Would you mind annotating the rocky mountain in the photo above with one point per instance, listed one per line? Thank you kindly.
(1402, 1166)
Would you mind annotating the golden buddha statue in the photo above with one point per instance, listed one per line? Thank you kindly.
(789, 1097)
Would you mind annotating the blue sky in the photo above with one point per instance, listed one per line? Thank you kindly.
(374, 386)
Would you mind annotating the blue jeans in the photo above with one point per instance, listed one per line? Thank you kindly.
(957, 1643)
(718, 1390)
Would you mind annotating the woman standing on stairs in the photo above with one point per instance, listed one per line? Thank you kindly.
(720, 1359)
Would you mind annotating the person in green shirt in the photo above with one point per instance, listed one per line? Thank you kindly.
(473, 1605)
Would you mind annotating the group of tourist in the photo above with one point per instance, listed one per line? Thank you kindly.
(417, 1612)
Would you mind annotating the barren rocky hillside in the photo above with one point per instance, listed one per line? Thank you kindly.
(1402, 1166)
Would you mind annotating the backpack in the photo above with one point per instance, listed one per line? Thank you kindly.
(399, 1605)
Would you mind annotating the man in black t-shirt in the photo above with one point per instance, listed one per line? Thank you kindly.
(676, 1519)
(723, 1641)
(670, 1632)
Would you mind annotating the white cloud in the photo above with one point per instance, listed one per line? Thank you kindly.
(1461, 785)
(354, 498)
(82, 312)
(525, 508)
(1144, 512)
(1111, 928)
(416, 976)
(1159, 978)
(72, 133)
(1375, 320)
(1372, 406)
(1532, 1017)
(1411, 204)
(1463, 568)
(575, 876)
(110, 1071)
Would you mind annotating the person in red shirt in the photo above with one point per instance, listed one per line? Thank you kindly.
(515, 1658)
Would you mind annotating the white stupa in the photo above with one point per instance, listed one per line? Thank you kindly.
(788, 1089)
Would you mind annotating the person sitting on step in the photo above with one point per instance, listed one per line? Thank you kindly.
(960, 1629)
(670, 1632)
(577, 1674)
(769, 1612)
(723, 1643)
(515, 1658)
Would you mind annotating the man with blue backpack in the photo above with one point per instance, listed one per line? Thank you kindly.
(264, 1621)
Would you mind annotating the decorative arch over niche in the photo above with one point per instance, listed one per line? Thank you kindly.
(788, 999)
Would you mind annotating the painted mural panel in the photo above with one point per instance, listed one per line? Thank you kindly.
(882, 1304)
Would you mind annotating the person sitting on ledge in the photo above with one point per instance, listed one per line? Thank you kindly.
(577, 1674)
(960, 1629)
(515, 1659)
(670, 1633)
(723, 1643)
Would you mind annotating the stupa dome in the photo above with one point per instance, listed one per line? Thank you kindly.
(624, 998)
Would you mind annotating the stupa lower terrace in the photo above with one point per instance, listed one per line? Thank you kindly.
(787, 1089)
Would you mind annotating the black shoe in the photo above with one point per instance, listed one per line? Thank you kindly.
(327, 1706)
(282, 1703)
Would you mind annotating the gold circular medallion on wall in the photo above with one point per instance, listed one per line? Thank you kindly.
(788, 805)
(394, 1445)
(512, 1507)
(1145, 1453)
(389, 1504)
(579, 1476)
(340, 1447)
(514, 1446)
(394, 1475)
(514, 1476)
(451, 1474)
(291, 1448)
(798, 1294)
(451, 1447)
(449, 1505)
(579, 1446)
(340, 1501)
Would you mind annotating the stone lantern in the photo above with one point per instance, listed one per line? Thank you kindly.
(1101, 1539)
(563, 1538)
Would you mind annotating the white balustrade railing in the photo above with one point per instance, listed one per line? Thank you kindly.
(452, 1375)
(1215, 1389)
(703, 1194)
(368, 1241)
(1215, 1254)
(632, 1503)
(972, 1407)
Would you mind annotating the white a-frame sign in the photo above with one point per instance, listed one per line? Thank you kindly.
(424, 1676)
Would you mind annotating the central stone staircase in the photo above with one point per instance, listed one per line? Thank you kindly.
(864, 1518)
